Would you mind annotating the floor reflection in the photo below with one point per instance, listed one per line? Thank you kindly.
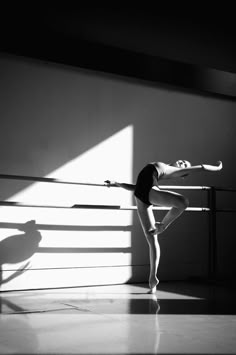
(149, 306)
(25, 338)
(17, 336)
(120, 319)
(104, 304)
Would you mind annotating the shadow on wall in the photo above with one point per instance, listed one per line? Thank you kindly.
(21, 247)
(18, 248)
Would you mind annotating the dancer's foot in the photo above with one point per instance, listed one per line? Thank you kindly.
(153, 231)
(152, 290)
(153, 282)
(159, 227)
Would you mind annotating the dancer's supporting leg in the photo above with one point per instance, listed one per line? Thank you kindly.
(147, 221)
(151, 229)
(177, 202)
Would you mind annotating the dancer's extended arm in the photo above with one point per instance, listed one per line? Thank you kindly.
(129, 187)
(173, 172)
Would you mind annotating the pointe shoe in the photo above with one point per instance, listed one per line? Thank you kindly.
(153, 231)
(152, 290)
(159, 227)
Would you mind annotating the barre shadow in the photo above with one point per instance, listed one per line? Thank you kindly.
(13, 241)
(56, 227)
(18, 248)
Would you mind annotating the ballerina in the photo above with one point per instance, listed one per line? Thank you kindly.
(147, 194)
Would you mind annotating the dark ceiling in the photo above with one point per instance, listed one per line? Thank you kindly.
(142, 42)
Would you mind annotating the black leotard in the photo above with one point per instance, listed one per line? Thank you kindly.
(147, 178)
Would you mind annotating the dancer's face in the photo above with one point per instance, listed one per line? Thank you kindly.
(182, 164)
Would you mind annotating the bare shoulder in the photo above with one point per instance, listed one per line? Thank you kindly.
(167, 169)
(162, 165)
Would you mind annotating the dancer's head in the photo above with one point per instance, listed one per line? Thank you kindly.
(181, 164)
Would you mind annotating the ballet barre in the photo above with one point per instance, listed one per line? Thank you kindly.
(101, 207)
(211, 209)
(48, 180)
(60, 181)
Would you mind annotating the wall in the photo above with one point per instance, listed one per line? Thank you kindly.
(79, 125)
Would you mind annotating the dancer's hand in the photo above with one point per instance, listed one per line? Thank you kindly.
(216, 167)
(110, 183)
(220, 164)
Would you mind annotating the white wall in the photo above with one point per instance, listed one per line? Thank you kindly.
(72, 124)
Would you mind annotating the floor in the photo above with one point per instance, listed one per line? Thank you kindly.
(182, 318)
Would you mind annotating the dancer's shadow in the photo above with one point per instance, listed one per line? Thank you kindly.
(18, 248)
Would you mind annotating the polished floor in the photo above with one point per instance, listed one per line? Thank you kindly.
(182, 318)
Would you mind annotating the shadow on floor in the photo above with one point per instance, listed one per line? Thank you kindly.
(211, 300)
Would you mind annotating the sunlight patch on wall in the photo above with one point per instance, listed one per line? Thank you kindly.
(72, 238)
(111, 159)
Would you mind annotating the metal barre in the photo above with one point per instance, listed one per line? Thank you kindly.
(212, 210)
(49, 180)
(227, 189)
(109, 207)
(102, 207)
(59, 181)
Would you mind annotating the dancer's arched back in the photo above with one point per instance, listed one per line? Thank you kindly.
(148, 193)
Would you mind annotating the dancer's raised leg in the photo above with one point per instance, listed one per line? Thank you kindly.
(164, 198)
